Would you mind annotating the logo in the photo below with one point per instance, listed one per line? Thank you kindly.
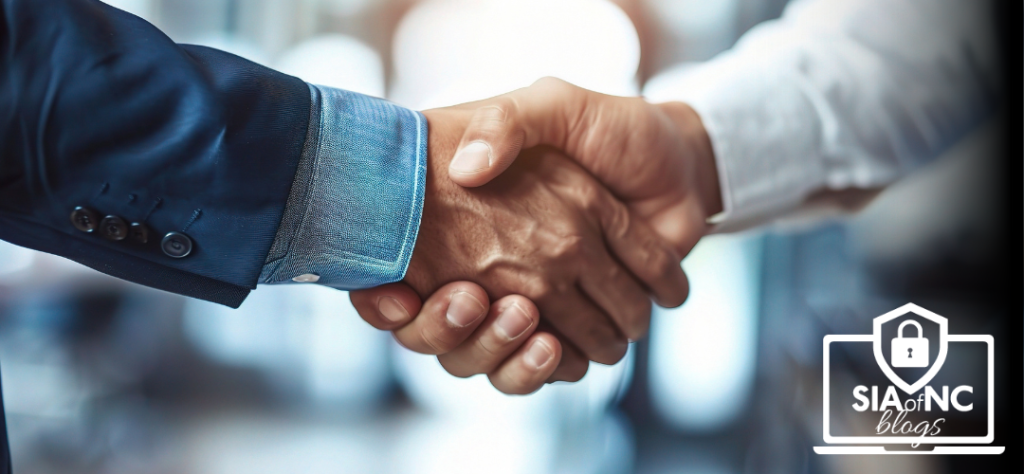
(909, 405)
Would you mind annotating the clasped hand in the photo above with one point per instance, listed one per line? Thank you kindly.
(571, 210)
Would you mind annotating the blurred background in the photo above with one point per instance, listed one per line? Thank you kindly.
(101, 376)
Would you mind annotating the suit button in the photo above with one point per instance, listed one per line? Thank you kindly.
(139, 233)
(84, 219)
(176, 245)
(113, 228)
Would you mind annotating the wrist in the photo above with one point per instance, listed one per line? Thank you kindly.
(701, 154)
(443, 204)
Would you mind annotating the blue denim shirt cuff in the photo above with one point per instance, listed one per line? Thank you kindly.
(355, 205)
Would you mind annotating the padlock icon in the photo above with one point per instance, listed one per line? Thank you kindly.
(910, 352)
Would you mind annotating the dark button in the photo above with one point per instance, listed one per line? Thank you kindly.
(113, 228)
(139, 233)
(84, 219)
(176, 245)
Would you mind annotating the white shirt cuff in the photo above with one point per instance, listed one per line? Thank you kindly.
(764, 132)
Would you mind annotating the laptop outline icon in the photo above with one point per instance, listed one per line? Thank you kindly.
(873, 445)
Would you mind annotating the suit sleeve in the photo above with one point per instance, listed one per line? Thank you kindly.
(192, 149)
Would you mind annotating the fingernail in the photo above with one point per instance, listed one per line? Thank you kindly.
(464, 309)
(513, 322)
(473, 158)
(391, 309)
(539, 354)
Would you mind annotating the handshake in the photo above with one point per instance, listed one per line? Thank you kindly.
(552, 216)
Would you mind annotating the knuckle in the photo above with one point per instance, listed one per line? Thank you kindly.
(566, 241)
(570, 245)
(440, 341)
(549, 82)
(498, 111)
(487, 353)
(539, 289)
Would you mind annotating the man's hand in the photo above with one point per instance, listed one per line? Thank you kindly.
(657, 158)
(546, 230)
(505, 344)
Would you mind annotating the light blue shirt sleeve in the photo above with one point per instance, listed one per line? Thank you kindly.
(355, 205)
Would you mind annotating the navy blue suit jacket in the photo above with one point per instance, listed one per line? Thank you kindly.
(101, 110)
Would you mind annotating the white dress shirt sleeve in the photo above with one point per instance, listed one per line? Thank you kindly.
(838, 96)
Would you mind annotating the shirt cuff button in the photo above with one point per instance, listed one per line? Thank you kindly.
(307, 278)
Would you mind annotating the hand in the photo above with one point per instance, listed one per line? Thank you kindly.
(547, 230)
(676, 187)
(513, 236)
(657, 158)
(505, 345)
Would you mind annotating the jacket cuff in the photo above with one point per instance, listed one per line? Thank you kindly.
(355, 205)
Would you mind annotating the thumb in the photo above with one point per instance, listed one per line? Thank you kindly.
(502, 127)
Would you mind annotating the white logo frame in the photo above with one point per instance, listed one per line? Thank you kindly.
(875, 339)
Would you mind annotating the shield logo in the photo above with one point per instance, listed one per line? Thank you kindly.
(893, 334)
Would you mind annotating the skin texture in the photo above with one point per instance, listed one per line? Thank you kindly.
(479, 348)
(657, 158)
(546, 230)
(529, 233)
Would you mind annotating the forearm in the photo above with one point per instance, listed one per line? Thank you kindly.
(838, 96)
(98, 109)
(262, 177)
